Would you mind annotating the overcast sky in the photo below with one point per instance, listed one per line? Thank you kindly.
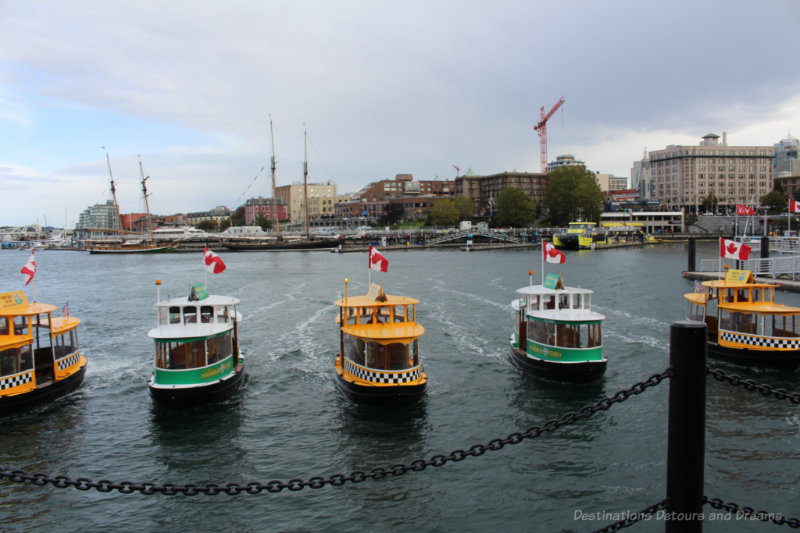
(382, 88)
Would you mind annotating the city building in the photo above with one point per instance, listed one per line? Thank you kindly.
(483, 190)
(415, 196)
(563, 161)
(683, 177)
(255, 206)
(787, 161)
(293, 196)
(609, 182)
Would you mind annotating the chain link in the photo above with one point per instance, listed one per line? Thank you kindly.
(749, 384)
(318, 482)
(644, 514)
(749, 512)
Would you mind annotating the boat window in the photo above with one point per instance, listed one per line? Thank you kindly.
(190, 354)
(21, 325)
(162, 352)
(394, 356)
(354, 349)
(190, 315)
(741, 295)
(220, 347)
(15, 360)
(594, 335)
(757, 294)
(206, 314)
(352, 316)
(568, 335)
(222, 313)
(696, 312)
(737, 321)
(399, 313)
(781, 326)
(412, 313)
(66, 344)
(563, 301)
(174, 315)
(3, 325)
(550, 303)
(415, 353)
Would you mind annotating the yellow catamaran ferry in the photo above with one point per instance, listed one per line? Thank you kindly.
(378, 360)
(39, 356)
(745, 324)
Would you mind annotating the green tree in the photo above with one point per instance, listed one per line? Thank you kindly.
(224, 224)
(237, 218)
(465, 207)
(775, 202)
(514, 208)
(207, 225)
(444, 213)
(392, 213)
(262, 221)
(572, 191)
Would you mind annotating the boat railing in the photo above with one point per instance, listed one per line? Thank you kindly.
(773, 267)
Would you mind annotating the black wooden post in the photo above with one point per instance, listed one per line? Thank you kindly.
(691, 254)
(686, 428)
(764, 247)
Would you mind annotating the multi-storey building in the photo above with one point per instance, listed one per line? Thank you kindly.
(684, 176)
(609, 182)
(483, 190)
(564, 161)
(787, 166)
(416, 197)
(255, 206)
(293, 196)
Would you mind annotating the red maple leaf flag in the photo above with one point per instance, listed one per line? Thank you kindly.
(551, 255)
(733, 250)
(29, 269)
(744, 210)
(213, 262)
(794, 207)
(377, 261)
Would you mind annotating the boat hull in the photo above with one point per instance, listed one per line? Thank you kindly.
(40, 395)
(393, 395)
(120, 251)
(277, 247)
(774, 359)
(181, 397)
(566, 241)
(578, 372)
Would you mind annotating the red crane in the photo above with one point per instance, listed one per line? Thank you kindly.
(541, 127)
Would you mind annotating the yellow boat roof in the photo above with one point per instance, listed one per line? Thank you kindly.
(365, 300)
(397, 331)
(16, 304)
(770, 308)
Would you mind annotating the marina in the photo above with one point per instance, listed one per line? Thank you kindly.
(290, 420)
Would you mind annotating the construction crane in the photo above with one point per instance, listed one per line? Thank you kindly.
(541, 128)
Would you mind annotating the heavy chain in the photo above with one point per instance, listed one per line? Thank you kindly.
(749, 384)
(644, 514)
(318, 482)
(752, 514)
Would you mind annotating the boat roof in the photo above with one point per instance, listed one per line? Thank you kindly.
(400, 331)
(541, 289)
(567, 315)
(365, 300)
(189, 331)
(765, 308)
(211, 299)
(16, 304)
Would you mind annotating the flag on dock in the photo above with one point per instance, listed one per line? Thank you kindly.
(794, 207)
(733, 250)
(213, 262)
(29, 269)
(744, 210)
(377, 261)
(551, 255)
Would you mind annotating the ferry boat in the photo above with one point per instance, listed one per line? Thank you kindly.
(556, 333)
(378, 360)
(197, 357)
(39, 355)
(577, 235)
(745, 324)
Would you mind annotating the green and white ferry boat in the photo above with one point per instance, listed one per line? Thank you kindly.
(556, 334)
(197, 357)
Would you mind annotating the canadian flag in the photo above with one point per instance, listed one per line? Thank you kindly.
(744, 210)
(794, 207)
(377, 261)
(29, 269)
(551, 255)
(213, 263)
(733, 250)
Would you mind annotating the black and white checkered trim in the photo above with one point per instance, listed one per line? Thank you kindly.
(68, 361)
(765, 342)
(383, 377)
(16, 380)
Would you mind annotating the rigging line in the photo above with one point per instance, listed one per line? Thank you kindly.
(324, 165)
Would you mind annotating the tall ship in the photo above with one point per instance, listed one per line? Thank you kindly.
(39, 355)
(556, 333)
(197, 357)
(378, 360)
(139, 243)
(745, 324)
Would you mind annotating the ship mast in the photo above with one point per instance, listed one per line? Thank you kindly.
(114, 195)
(274, 196)
(146, 203)
(305, 180)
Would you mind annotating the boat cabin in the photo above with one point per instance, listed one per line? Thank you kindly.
(379, 332)
(36, 348)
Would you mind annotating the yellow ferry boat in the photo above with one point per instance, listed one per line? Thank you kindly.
(745, 324)
(378, 360)
(39, 356)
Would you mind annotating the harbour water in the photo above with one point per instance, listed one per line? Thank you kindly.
(289, 421)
